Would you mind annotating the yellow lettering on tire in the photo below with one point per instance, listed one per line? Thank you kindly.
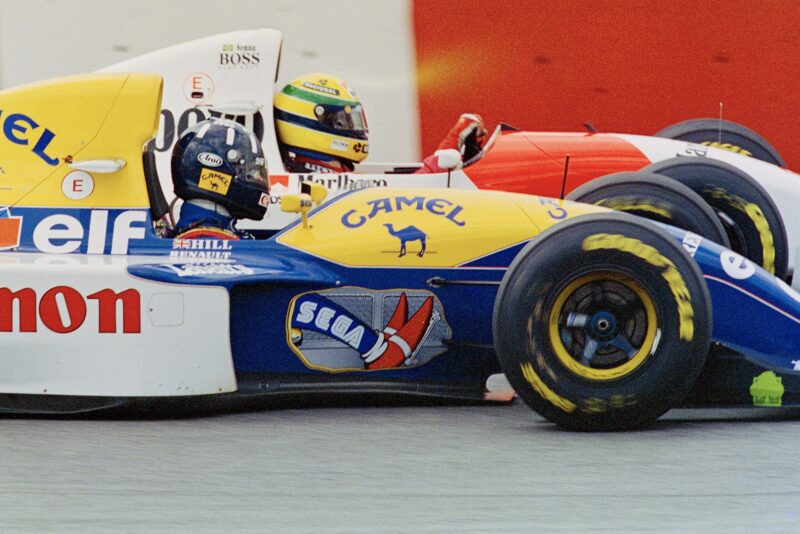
(545, 392)
(727, 146)
(634, 204)
(759, 221)
(683, 299)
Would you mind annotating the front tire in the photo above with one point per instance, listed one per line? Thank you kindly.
(602, 322)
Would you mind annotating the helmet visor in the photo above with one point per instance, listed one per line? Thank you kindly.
(255, 173)
(346, 119)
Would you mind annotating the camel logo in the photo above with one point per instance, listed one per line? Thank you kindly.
(451, 211)
(409, 233)
(356, 329)
(215, 181)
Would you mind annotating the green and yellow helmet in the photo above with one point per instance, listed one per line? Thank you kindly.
(320, 113)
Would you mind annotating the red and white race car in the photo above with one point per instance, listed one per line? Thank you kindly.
(714, 178)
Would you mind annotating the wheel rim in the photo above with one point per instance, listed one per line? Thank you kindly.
(603, 326)
(722, 199)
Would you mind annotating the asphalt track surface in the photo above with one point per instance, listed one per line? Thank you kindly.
(368, 468)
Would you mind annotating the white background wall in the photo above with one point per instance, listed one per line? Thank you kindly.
(367, 42)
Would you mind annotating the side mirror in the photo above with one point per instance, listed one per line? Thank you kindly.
(244, 107)
(296, 203)
(310, 194)
(317, 192)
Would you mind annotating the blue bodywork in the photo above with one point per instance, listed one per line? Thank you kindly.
(755, 316)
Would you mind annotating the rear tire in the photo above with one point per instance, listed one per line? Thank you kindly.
(752, 221)
(726, 135)
(654, 197)
(602, 322)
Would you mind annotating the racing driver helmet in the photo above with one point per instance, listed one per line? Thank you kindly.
(221, 161)
(321, 113)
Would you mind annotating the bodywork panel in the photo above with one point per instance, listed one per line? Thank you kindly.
(387, 289)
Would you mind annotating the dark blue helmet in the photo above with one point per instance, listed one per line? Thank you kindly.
(219, 160)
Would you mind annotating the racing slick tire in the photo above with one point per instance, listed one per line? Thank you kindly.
(726, 135)
(654, 197)
(602, 323)
(752, 221)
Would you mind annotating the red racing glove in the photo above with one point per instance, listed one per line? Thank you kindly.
(466, 136)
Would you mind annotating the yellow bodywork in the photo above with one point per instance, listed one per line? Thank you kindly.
(46, 125)
(369, 228)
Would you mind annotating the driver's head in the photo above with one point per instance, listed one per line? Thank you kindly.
(320, 113)
(221, 161)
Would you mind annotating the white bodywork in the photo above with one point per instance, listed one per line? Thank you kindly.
(168, 340)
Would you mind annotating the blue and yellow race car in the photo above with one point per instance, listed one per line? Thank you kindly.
(600, 320)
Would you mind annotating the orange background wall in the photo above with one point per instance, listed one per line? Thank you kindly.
(631, 66)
